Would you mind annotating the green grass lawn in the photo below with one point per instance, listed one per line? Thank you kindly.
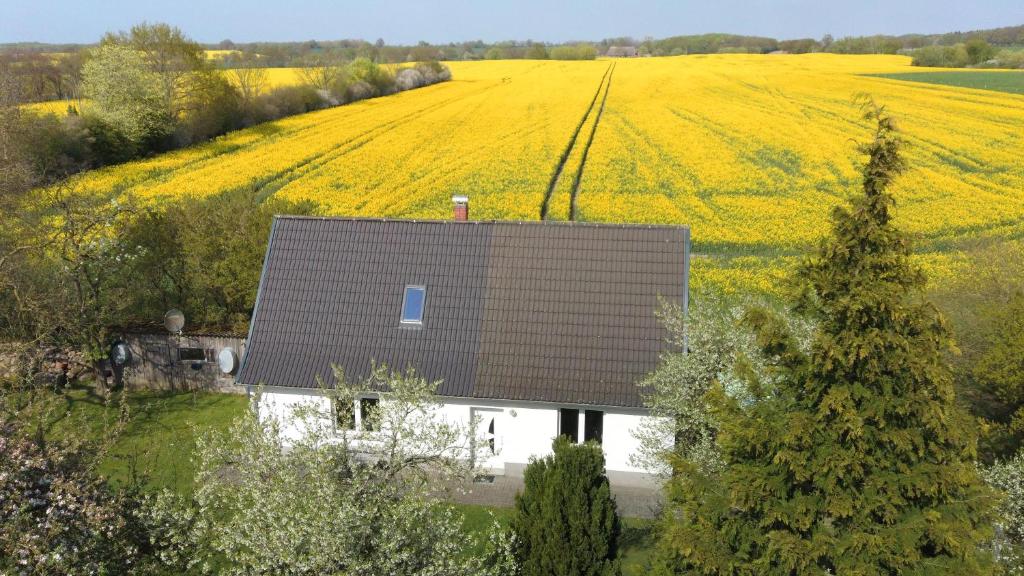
(1001, 81)
(157, 443)
(637, 539)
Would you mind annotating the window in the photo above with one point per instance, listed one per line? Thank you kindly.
(593, 425)
(368, 413)
(412, 305)
(569, 423)
(344, 415)
(191, 355)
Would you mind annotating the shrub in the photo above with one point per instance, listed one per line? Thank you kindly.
(1010, 59)
(423, 74)
(360, 91)
(285, 101)
(365, 70)
(409, 78)
(577, 52)
(565, 520)
(215, 107)
(537, 52)
(107, 144)
(57, 514)
(975, 52)
(978, 51)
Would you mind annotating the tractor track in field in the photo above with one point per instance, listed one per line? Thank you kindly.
(557, 174)
(586, 148)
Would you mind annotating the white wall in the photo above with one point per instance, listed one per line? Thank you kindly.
(282, 404)
(522, 429)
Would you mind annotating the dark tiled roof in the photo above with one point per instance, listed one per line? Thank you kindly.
(554, 312)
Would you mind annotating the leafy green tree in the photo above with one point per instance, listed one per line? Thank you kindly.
(172, 57)
(204, 256)
(196, 98)
(67, 283)
(978, 51)
(1000, 368)
(537, 52)
(986, 310)
(854, 458)
(126, 94)
(565, 520)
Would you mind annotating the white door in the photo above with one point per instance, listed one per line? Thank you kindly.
(488, 437)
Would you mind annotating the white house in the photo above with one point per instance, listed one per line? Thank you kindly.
(539, 329)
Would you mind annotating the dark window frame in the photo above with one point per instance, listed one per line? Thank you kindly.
(340, 414)
(565, 416)
(593, 426)
(367, 405)
(191, 354)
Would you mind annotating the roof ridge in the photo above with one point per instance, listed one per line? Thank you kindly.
(571, 223)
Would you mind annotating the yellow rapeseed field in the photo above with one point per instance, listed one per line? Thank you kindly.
(283, 77)
(751, 151)
(58, 107)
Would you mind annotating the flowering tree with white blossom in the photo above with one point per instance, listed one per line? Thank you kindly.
(335, 501)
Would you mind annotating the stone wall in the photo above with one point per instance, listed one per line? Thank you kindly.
(52, 365)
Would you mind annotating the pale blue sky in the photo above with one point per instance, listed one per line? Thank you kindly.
(406, 21)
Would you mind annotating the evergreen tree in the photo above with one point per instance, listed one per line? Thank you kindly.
(855, 458)
(565, 520)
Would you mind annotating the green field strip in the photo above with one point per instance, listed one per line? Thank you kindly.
(1009, 81)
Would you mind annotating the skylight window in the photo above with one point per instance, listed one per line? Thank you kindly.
(412, 305)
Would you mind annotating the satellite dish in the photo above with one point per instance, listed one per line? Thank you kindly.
(120, 354)
(174, 321)
(228, 361)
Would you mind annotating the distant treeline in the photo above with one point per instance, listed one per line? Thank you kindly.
(152, 89)
(975, 53)
(290, 54)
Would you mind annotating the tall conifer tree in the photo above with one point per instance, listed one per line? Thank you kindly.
(856, 459)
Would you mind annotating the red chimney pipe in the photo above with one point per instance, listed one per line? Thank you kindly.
(461, 209)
